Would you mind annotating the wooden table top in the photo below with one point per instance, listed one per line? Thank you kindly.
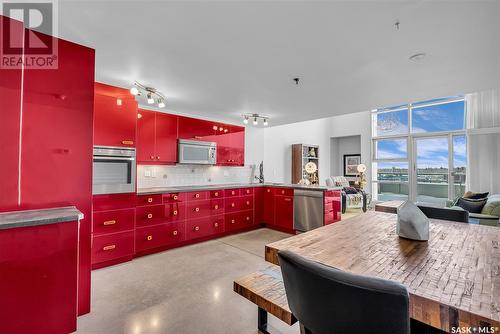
(389, 206)
(453, 279)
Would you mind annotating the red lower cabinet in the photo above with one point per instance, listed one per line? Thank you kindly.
(113, 221)
(38, 279)
(284, 212)
(333, 206)
(112, 247)
(204, 227)
(157, 236)
(269, 206)
(150, 215)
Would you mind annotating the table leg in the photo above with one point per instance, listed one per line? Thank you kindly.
(262, 321)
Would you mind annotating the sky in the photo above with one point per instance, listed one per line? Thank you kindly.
(431, 152)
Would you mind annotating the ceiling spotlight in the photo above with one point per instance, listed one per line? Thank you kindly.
(150, 99)
(161, 104)
(265, 122)
(245, 120)
(255, 122)
(134, 91)
(255, 119)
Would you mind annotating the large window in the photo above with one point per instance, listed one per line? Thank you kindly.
(419, 151)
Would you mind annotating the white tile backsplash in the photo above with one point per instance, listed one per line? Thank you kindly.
(150, 176)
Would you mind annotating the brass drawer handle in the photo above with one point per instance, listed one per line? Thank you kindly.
(174, 232)
(288, 199)
(216, 224)
(150, 215)
(216, 207)
(152, 157)
(150, 199)
(248, 218)
(248, 191)
(232, 205)
(127, 142)
(196, 209)
(232, 192)
(109, 222)
(175, 197)
(282, 191)
(196, 228)
(197, 195)
(158, 158)
(109, 247)
(216, 194)
(149, 237)
(232, 221)
(175, 212)
(248, 202)
(268, 190)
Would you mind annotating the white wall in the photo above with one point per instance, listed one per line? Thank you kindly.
(340, 146)
(278, 152)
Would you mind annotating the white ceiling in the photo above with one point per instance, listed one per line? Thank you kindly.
(221, 59)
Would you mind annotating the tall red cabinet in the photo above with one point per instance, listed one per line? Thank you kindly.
(49, 142)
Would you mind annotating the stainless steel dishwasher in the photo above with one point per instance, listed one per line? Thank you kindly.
(307, 209)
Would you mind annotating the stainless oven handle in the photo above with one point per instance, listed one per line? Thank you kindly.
(113, 158)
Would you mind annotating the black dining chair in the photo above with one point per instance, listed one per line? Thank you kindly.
(326, 300)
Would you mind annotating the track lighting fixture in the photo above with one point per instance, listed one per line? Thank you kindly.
(255, 119)
(151, 94)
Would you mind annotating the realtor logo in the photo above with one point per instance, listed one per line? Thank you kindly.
(26, 39)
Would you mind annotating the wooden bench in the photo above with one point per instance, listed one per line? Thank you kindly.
(265, 289)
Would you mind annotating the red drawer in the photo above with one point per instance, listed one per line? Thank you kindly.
(174, 197)
(113, 221)
(149, 215)
(199, 228)
(113, 201)
(232, 204)
(231, 192)
(283, 191)
(233, 221)
(247, 218)
(217, 206)
(149, 199)
(198, 209)
(246, 203)
(246, 191)
(175, 211)
(217, 193)
(159, 235)
(112, 246)
(197, 195)
(329, 218)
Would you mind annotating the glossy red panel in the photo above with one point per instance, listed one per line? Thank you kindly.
(284, 211)
(113, 221)
(175, 211)
(115, 116)
(174, 197)
(113, 201)
(217, 193)
(38, 280)
(231, 192)
(217, 206)
(232, 204)
(233, 221)
(159, 235)
(166, 138)
(269, 206)
(109, 247)
(259, 205)
(150, 215)
(149, 199)
(198, 209)
(10, 112)
(57, 140)
(196, 129)
(197, 195)
(146, 136)
(283, 191)
(246, 203)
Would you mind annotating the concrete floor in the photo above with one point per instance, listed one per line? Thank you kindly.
(183, 290)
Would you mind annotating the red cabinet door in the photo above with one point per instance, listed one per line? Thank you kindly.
(284, 211)
(269, 206)
(146, 136)
(10, 112)
(57, 140)
(166, 138)
(237, 145)
(259, 205)
(115, 116)
(196, 129)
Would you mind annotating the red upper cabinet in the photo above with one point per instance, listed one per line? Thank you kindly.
(57, 139)
(231, 146)
(115, 116)
(156, 137)
(166, 138)
(196, 129)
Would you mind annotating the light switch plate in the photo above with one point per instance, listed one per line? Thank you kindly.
(147, 173)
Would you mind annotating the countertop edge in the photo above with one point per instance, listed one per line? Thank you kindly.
(39, 217)
(167, 190)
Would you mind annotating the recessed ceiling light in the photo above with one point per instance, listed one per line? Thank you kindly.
(417, 56)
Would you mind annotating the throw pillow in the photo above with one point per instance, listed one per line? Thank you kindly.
(473, 195)
(472, 205)
(350, 190)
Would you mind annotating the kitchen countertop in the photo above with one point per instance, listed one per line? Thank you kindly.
(27, 218)
(166, 190)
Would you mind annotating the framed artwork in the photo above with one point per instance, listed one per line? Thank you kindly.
(351, 162)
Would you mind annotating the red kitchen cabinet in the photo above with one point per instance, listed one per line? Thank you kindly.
(115, 247)
(284, 211)
(113, 221)
(159, 236)
(150, 215)
(333, 206)
(156, 137)
(231, 146)
(259, 205)
(38, 280)
(10, 113)
(196, 129)
(115, 116)
(57, 142)
(269, 206)
(199, 228)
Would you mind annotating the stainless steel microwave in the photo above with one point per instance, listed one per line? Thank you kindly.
(197, 152)
(114, 170)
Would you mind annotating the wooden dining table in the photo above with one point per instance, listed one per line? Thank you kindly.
(453, 279)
